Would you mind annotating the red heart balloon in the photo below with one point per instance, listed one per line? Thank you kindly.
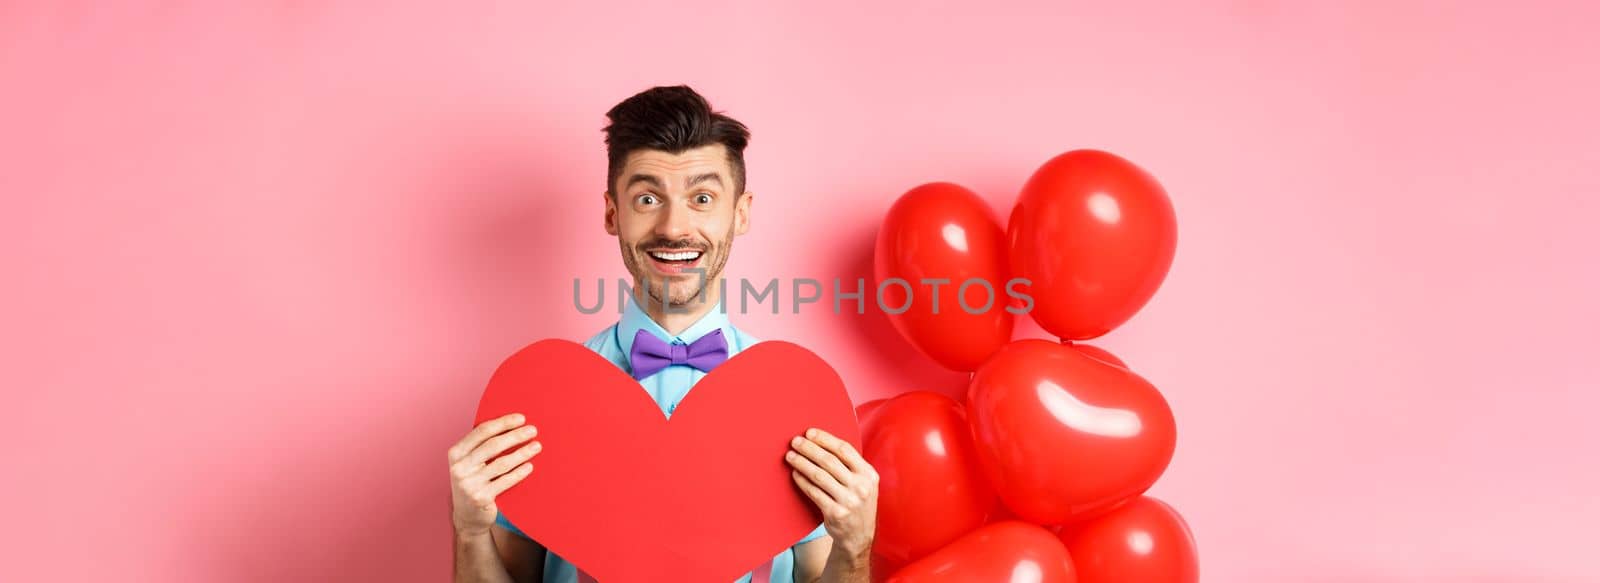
(865, 411)
(1096, 353)
(1144, 540)
(628, 496)
(1062, 435)
(1095, 235)
(930, 491)
(944, 231)
(1003, 551)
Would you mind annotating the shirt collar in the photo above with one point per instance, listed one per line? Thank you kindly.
(635, 319)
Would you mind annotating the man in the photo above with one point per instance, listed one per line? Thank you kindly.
(675, 199)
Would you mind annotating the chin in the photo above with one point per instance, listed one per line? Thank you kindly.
(678, 299)
(684, 301)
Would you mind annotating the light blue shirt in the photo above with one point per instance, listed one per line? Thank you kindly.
(667, 387)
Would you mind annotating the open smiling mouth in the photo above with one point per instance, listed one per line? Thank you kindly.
(675, 262)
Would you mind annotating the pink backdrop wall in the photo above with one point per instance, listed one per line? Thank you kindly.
(260, 260)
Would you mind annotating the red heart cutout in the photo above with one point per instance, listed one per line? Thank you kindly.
(626, 495)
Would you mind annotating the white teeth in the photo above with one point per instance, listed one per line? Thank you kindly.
(679, 256)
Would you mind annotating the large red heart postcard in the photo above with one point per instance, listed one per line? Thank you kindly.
(628, 496)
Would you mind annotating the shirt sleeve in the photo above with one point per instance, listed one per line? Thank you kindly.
(815, 534)
(500, 519)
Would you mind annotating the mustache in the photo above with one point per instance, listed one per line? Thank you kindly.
(682, 244)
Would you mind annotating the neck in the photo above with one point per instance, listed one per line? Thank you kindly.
(679, 318)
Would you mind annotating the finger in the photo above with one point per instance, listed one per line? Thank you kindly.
(499, 444)
(481, 432)
(823, 458)
(498, 485)
(840, 448)
(820, 477)
(511, 460)
(823, 501)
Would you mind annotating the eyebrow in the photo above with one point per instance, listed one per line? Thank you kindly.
(707, 177)
(645, 178)
(652, 180)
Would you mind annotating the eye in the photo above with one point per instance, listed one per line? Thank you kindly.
(702, 198)
(647, 199)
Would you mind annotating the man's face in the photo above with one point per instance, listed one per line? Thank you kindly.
(673, 214)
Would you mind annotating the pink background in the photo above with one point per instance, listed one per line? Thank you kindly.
(260, 261)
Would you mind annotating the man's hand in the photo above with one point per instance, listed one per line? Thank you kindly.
(475, 482)
(842, 484)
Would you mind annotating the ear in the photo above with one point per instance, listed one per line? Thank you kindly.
(611, 213)
(741, 213)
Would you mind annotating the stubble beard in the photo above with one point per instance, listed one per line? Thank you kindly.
(691, 288)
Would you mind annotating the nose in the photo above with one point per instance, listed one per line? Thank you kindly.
(674, 223)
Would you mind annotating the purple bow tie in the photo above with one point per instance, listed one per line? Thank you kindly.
(651, 354)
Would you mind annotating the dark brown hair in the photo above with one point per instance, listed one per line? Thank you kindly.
(671, 119)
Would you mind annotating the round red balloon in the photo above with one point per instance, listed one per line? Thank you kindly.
(941, 275)
(1144, 540)
(1095, 235)
(1012, 551)
(1063, 436)
(930, 491)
